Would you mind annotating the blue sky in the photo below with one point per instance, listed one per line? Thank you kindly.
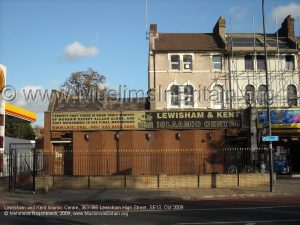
(43, 41)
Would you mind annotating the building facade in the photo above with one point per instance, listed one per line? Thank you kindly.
(222, 70)
(226, 70)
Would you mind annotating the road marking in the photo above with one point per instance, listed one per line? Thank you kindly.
(240, 222)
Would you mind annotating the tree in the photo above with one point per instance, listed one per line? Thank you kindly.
(83, 82)
(21, 130)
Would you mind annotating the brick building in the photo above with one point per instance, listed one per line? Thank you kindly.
(76, 135)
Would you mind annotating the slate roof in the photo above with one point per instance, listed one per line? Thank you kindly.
(187, 42)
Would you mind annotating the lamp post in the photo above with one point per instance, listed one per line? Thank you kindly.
(269, 126)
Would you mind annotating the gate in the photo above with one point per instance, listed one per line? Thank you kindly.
(21, 166)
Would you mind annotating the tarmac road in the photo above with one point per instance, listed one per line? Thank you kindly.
(250, 211)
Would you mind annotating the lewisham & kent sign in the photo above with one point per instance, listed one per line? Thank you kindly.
(145, 120)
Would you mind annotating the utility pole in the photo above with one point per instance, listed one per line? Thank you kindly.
(269, 99)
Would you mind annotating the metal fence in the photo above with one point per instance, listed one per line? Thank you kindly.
(150, 162)
(22, 163)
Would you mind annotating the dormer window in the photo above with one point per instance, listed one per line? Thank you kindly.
(175, 62)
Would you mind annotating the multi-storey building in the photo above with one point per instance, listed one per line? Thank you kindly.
(226, 70)
(222, 70)
(184, 69)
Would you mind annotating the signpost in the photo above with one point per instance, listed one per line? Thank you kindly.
(270, 138)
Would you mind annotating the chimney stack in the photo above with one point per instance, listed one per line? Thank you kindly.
(153, 34)
(220, 27)
(153, 28)
(287, 27)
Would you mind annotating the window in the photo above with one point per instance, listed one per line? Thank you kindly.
(292, 95)
(217, 97)
(175, 62)
(249, 62)
(289, 62)
(262, 95)
(261, 62)
(174, 95)
(181, 96)
(249, 94)
(188, 95)
(187, 62)
(217, 62)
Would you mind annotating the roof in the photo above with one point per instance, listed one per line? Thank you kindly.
(19, 112)
(210, 42)
(76, 104)
(187, 42)
(248, 40)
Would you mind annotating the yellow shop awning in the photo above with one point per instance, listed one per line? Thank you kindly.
(19, 112)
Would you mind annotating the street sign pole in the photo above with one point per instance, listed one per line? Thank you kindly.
(268, 101)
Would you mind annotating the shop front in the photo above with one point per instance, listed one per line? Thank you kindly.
(285, 125)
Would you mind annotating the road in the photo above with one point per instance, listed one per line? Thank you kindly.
(250, 211)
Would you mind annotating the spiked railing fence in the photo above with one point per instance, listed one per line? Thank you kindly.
(152, 162)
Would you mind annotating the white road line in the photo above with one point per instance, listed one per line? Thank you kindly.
(240, 222)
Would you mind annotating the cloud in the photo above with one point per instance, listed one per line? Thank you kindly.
(281, 12)
(76, 51)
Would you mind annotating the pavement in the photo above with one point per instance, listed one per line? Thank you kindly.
(284, 187)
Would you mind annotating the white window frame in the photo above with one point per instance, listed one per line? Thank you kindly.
(219, 102)
(215, 63)
(181, 62)
(181, 96)
(187, 63)
(175, 63)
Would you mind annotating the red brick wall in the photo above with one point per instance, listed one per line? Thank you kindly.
(47, 131)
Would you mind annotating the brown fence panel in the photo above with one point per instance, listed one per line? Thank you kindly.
(153, 162)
